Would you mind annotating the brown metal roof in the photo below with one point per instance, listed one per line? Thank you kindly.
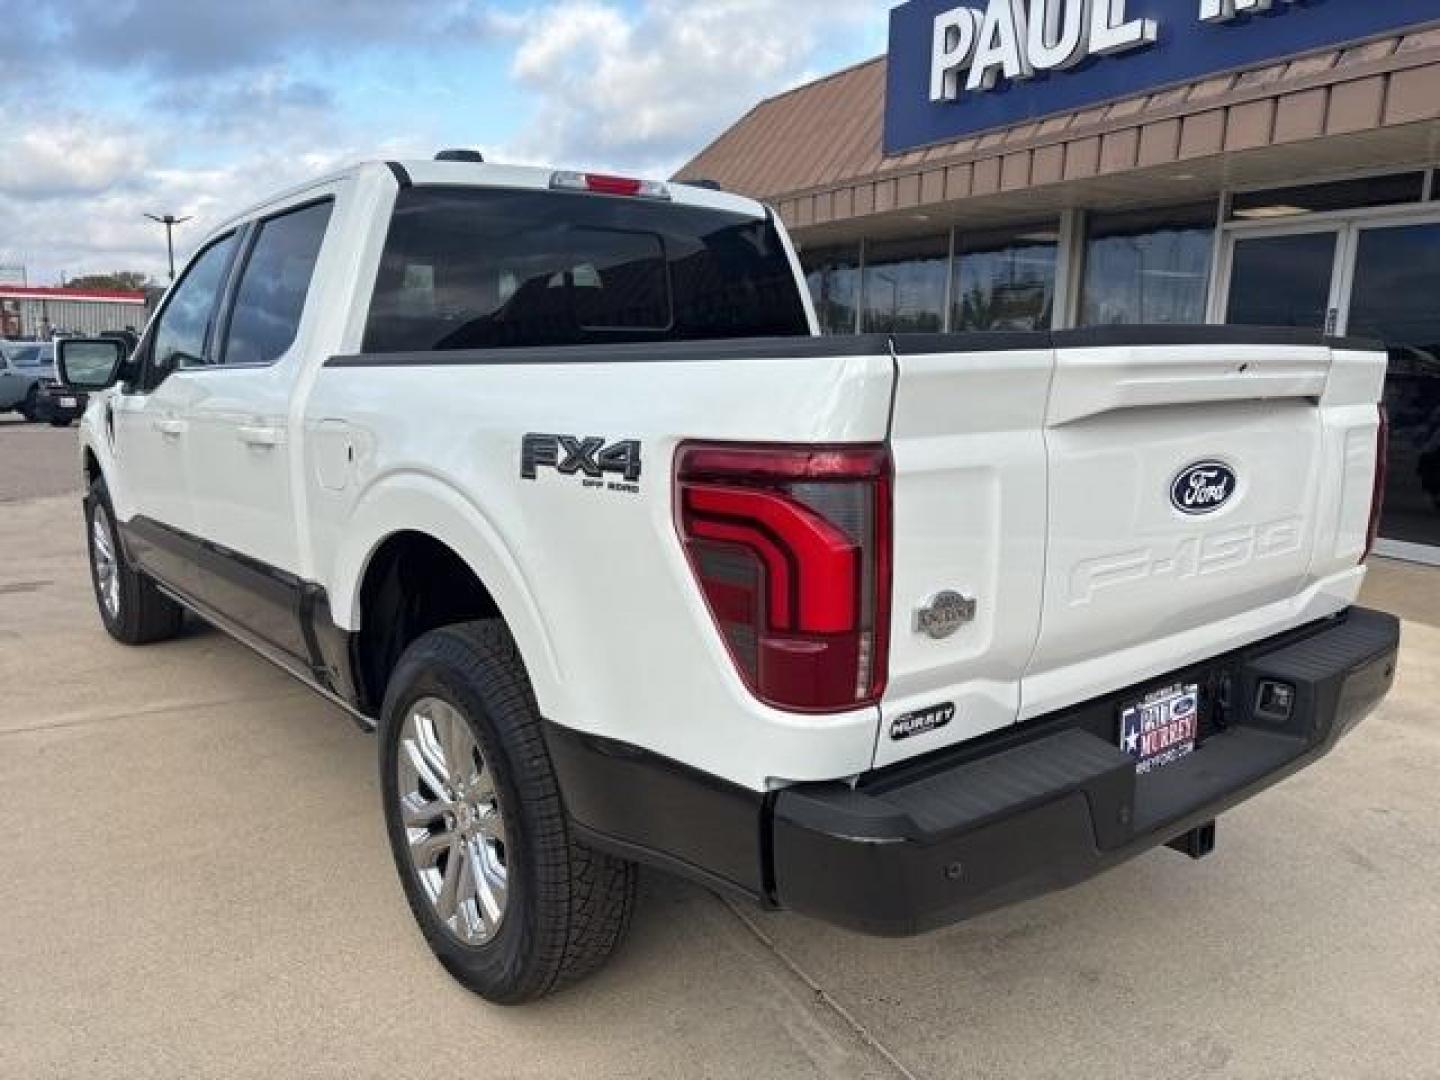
(817, 152)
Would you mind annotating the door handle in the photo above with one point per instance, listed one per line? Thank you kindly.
(171, 428)
(259, 435)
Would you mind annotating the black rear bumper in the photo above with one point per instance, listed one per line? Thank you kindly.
(949, 837)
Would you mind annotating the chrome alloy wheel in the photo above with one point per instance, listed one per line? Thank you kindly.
(453, 822)
(107, 566)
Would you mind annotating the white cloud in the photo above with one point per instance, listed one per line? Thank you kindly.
(71, 156)
(103, 228)
(645, 90)
(220, 107)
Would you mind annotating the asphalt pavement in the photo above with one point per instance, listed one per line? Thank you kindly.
(194, 882)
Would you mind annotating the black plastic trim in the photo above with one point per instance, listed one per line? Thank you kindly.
(273, 610)
(973, 341)
(780, 348)
(646, 807)
(401, 174)
(1104, 336)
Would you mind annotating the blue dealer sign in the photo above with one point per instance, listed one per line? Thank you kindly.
(957, 68)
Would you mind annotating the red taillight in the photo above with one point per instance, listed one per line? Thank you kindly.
(1382, 466)
(791, 547)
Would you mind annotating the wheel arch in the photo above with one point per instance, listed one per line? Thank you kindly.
(416, 509)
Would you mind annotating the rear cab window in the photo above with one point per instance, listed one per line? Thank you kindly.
(475, 268)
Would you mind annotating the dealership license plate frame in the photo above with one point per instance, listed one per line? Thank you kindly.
(1161, 727)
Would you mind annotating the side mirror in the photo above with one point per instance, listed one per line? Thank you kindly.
(90, 364)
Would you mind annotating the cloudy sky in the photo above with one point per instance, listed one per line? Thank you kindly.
(111, 108)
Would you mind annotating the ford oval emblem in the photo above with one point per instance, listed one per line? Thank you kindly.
(1203, 488)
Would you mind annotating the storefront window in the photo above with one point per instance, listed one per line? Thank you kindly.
(905, 283)
(1148, 267)
(1005, 280)
(834, 278)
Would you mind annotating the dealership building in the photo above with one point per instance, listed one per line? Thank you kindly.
(1045, 164)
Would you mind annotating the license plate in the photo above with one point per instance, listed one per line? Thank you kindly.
(67, 403)
(1161, 728)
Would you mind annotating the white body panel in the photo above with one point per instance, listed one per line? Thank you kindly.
(1032, 481)
(615, 633)
(969, 516)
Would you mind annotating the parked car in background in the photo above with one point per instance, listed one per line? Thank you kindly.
(26, 367)
(57, 405)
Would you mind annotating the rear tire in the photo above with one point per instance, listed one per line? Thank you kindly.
(536, 910)
(132, 607)
(61, 423)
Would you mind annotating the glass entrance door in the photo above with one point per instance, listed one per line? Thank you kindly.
(1395, 297)
(1284, 279)
(1372, 277)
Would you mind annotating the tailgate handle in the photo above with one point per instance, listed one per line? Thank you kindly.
(171, 427)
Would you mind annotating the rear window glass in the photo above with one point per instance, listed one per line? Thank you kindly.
(477, 269)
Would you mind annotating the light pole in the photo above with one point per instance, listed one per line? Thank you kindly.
(169, 221)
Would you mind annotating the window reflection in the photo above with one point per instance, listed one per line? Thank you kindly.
(905, 283)
(1397, 277)
(1005, 280)
(833, 275)
(1148, 267)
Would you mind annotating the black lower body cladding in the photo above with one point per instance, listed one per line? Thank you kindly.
(943, 839)
(1025, 811)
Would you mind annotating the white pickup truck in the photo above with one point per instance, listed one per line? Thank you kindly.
(548, 477)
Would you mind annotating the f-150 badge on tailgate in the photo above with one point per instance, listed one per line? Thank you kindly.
(1203, 488)
(943, 614)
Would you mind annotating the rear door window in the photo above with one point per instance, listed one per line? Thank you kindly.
(479, 268)
(274, 285)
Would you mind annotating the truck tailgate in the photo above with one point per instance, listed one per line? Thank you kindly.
(1192, 491)
(1127, 560)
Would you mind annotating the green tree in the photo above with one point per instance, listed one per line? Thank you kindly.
(130, 280)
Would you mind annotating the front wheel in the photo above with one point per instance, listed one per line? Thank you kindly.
(510, 903)
(132, 607)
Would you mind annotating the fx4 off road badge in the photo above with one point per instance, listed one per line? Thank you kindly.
(943, 614)
(922, 721)
(590, 458)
